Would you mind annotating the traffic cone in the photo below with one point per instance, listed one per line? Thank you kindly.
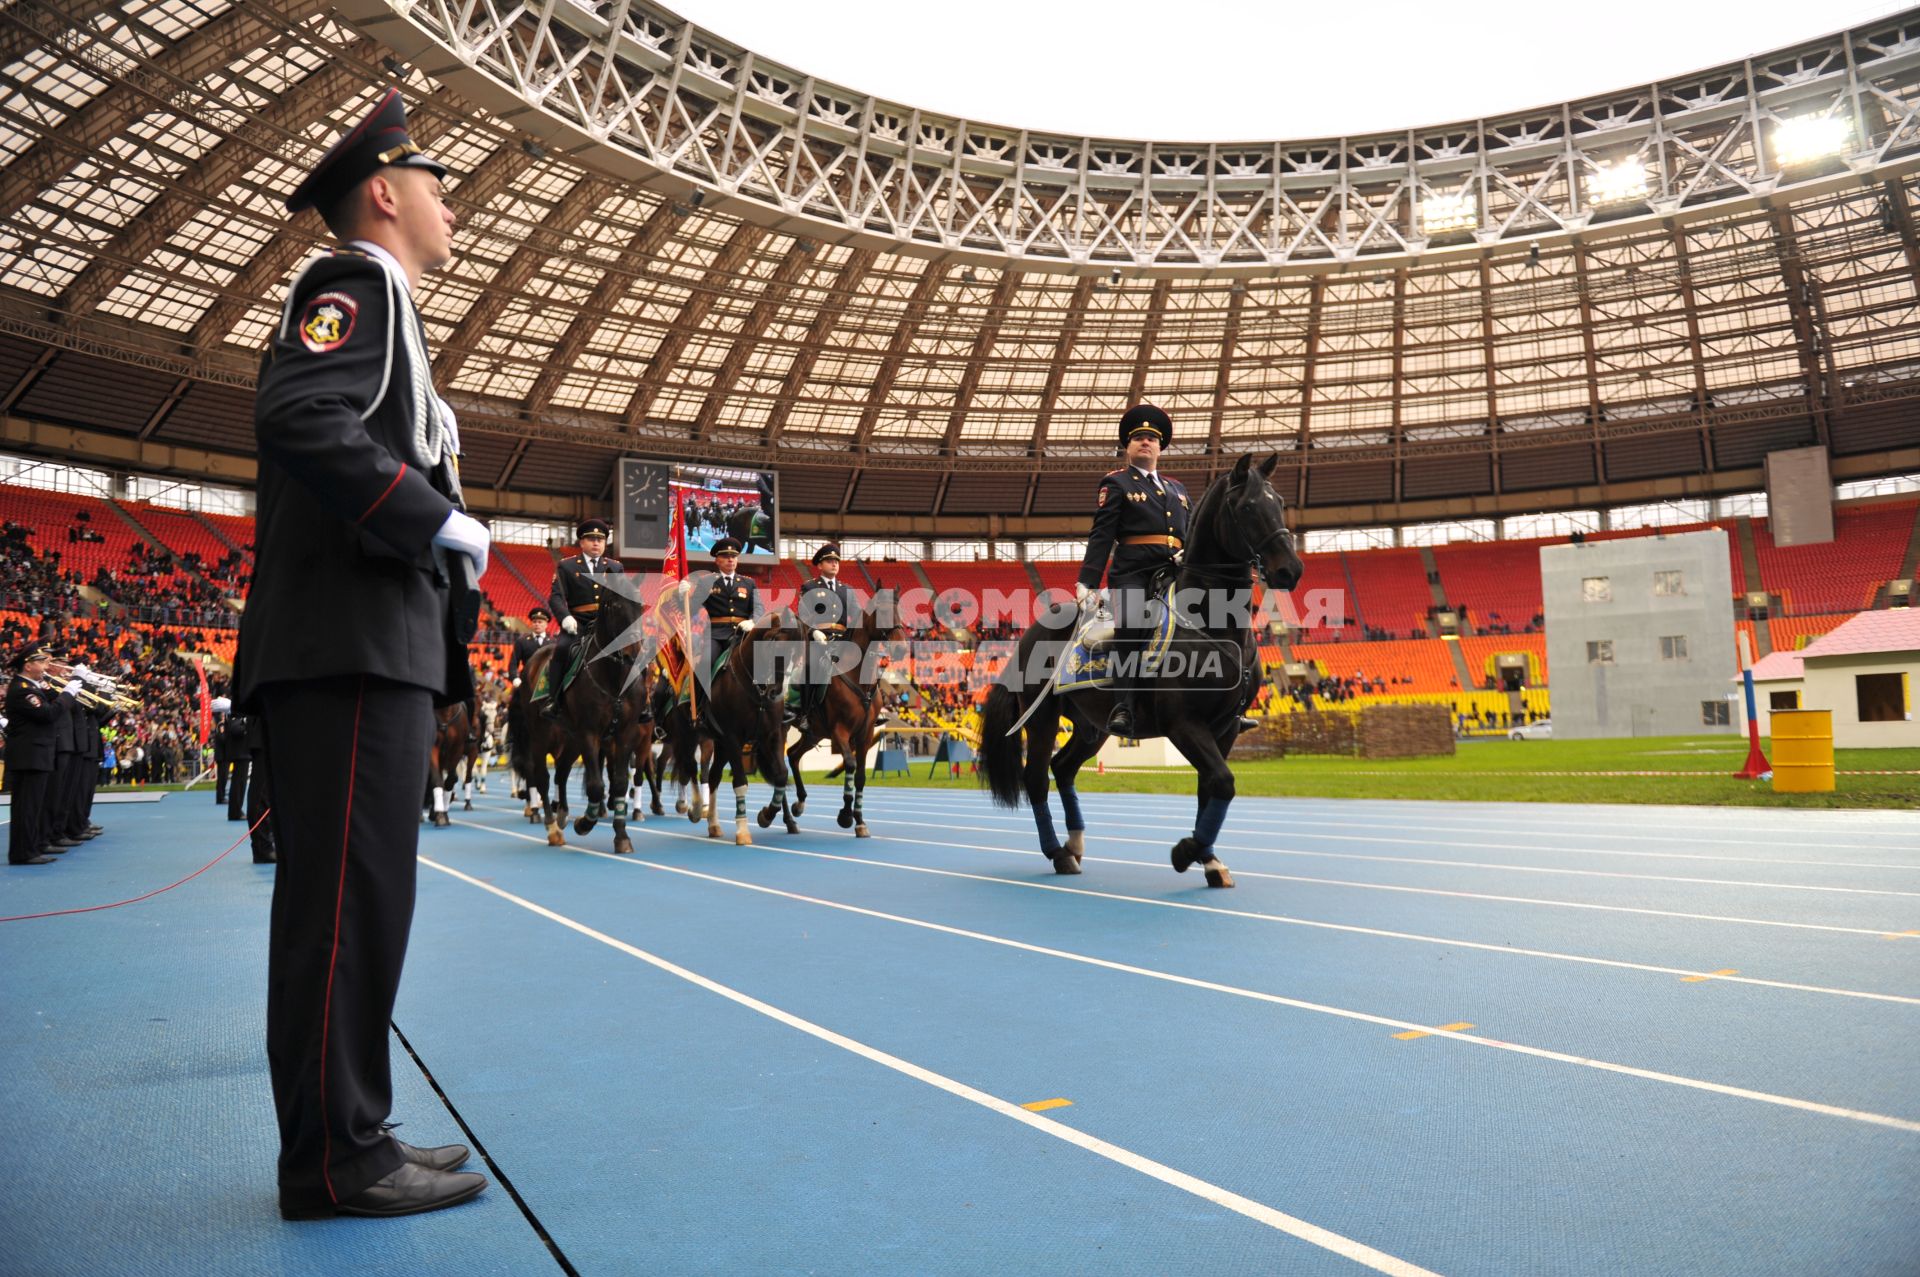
(1100, 766)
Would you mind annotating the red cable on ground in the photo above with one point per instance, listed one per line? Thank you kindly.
(24, 917)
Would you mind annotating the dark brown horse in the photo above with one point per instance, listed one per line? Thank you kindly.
(1207, 676)
(456, 740)
(741, 711)
(597, 723)
(846, 710)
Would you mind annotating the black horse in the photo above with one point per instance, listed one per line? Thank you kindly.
(750, 526)
(1208, 676)
(847, 709)
(741, 714)
(593, 721)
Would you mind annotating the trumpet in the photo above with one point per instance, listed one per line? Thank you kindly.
(96, 690)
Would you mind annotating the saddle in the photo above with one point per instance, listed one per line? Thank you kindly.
(1088, 657)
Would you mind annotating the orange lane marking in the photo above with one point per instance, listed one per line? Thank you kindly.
(1411, 1034)
(1041, 1106)
(1696, 979)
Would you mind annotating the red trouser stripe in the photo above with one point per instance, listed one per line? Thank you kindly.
(339, 896)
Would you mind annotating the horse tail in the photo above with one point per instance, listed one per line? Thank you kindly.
(998, 751)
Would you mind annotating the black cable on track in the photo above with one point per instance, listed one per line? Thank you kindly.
(533, 1220)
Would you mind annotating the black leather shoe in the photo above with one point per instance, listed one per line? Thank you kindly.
(54, 849)
(95, 830)
(37, 860)
(1247, 725)
(268, 859)
(409, 1190)
(448, 1157)
(64, 844)
(1120, 722)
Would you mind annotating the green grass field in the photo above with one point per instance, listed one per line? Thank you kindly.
(1545, 771)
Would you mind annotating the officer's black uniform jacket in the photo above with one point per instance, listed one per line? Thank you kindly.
(524, 646)
(1129, 506)
(849, 610)
(740, 603)
(353, 485)
(66, 724)
(576, 591)
(31, 717)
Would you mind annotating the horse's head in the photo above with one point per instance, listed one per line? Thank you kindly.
(1257, 519)
(880, 625)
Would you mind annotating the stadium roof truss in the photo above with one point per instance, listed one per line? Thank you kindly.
(669, 244)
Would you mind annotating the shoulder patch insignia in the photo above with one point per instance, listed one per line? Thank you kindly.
(33, 700)
(1103, 494)
(328, 321)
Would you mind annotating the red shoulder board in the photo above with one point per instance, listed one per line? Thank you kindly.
(327, 321)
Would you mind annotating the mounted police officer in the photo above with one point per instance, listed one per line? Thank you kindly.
(579, 580)
(1140, 520)
(731, 602)
(525, 645)
(827, 608)
(361, 522)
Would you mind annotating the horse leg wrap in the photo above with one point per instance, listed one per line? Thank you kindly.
(619, 809)
(1070, 804)
(439, 798)
(1206, 829)
(1043, 822)
(739, 802)
(847, 795)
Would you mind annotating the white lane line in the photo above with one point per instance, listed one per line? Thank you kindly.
(1525, 822)
(955, 803)
(1259, 1212)
(1561, 1057)
(1875, 932)
(1475, 864)
(1174, 823)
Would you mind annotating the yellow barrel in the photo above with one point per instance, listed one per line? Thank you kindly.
(1802, 751)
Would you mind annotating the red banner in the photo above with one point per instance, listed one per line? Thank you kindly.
(206, 704)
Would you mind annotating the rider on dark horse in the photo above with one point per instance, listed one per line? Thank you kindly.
(732, 603)
(826, 608)
(575, 598)
(1140, 520)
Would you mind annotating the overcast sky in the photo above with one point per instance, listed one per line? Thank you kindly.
(1256, 70)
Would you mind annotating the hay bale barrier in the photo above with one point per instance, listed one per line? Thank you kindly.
(1405, 731)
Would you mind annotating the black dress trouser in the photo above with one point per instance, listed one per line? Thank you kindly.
(237, 787)
(350, 756)
(29, 812)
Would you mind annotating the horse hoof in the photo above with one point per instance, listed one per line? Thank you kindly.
(793, 826)
(713, 831)
(467, 805)
(583, 826)
(800, 808)
(1066, 863)
(1217, 875)
(845, 818)
(1185, 853)
(743, 839)
(860, 831)
(766, 817)
(555, 838)
(623, 846)
(658, 810)
(679, 806)
(1077, 843)
(441, 820)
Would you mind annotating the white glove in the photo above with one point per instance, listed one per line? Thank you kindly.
(516, 682)
(468, 535)
(73, 685)
(1080, 592)
(746, 626)
(570, 625)
(81, 671)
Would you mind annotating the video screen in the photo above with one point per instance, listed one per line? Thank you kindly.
(664, 504)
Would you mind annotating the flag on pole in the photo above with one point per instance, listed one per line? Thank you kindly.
(206, 703)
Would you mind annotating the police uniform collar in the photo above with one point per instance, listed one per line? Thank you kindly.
(380, 254)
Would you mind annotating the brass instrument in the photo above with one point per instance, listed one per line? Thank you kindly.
(96, 691)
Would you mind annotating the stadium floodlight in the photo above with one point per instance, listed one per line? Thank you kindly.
(1806, 139)
(1449, 211)
(1622, 183)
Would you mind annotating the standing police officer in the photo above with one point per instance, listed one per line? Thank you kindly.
(1140, 519)
(732, 603)
(352, 631)
(31, 718)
